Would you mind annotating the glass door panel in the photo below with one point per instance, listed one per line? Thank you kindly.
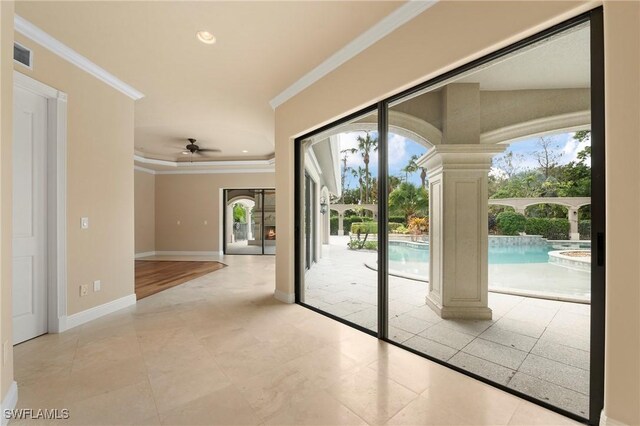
(339, 213)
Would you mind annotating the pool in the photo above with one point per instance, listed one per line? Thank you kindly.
(401, 253)
(514, 269)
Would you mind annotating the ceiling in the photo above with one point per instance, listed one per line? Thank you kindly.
(561, 62)
(220, 93)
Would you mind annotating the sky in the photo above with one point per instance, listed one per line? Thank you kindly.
(401, 149)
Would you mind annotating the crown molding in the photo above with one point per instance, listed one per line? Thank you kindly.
(212, 167)
(34, 33)
(144, 170)
(387, 25)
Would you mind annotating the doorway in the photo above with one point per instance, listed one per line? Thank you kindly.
(39, 209)
(249, 221)
(29, 215)
(510, 297)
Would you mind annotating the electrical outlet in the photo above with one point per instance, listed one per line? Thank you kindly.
(84, 290)
(84, 223)
(96, 285)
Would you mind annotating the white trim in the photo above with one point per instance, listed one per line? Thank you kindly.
(10, 401)
(186, 253)
(388, 24)
(569, 122)
(34, 33)
(218, 163)
(142, 169)
(213, 171)
(284, 297)
(56, 198)
(608, 421)
(100, 311)
(145, 254)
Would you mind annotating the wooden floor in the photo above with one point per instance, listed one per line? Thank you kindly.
(153, 276)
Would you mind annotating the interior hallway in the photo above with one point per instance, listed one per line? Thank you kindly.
(220, 350)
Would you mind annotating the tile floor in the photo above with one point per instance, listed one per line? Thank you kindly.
(221, 350)
(539, 347)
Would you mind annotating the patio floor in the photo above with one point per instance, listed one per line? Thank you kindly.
(536, 346)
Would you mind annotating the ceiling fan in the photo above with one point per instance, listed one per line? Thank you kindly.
(192, 148)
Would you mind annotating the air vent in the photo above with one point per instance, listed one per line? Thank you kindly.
(22, 55)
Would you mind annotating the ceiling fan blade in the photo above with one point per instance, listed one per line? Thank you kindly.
(209, 150)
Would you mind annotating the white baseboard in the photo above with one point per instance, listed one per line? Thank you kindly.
(145, 254)
(99, 311)
(9, 402)
(608, 421)
(186, 253)
(284, 297)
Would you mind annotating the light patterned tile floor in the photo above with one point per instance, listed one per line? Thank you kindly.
(221, 350)
(537, 346)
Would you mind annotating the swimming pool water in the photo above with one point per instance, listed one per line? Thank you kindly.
(402, 253)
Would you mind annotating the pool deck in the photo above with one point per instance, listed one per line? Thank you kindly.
(539, 347)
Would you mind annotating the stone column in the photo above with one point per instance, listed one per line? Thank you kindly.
(340, 223)
(458, 234)
(574, 232)
(247, 215)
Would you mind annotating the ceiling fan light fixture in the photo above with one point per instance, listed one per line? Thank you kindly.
(185, 152)
(206, 37)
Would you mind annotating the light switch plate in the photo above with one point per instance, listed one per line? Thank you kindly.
(97, 285)
(84, 290)
(84, 223)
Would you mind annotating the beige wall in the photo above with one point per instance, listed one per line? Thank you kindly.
(6, 188)
(193, 199)
(471, 30)
(145, 211)
(99, 180)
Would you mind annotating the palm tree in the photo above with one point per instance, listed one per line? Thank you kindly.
(409, 200)
(410, 168)
(423, 177)
(367, 145)
(359, 174)
(343, 176)
(394, 182)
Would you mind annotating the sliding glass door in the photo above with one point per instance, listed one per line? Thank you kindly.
(339, 175)
(249, 221)
(464, 218)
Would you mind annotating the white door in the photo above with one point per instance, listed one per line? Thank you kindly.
(29, 215)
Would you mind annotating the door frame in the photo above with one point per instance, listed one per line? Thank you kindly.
(56, 198)
(222, 240)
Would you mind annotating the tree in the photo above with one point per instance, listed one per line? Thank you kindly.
(345, 169)
(360, 174)
(409, 201)
(509, 163)
(367, 145)
(547, 158)
(410, 168)
(423, 177)
(239, 213)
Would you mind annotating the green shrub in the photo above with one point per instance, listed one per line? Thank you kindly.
(364, 228)
(347, 221)
(362, 245)
(549, 228)
(393, 227)
(510, 223)
(397, 219)
(584, 228)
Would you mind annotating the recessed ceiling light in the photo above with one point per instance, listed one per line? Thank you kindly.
(245, 151)
(206, 37)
